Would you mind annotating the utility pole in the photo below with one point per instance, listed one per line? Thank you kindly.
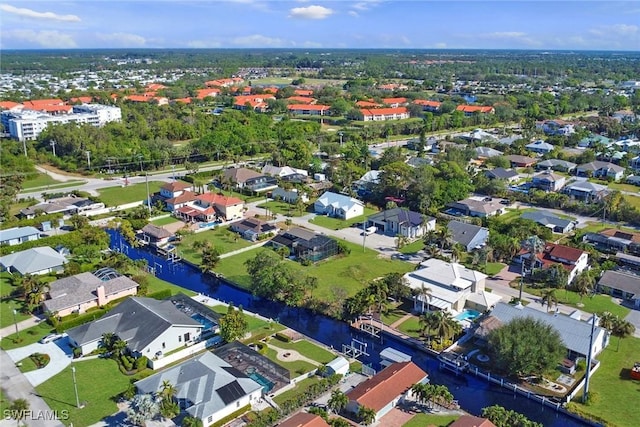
(140, 157)
(521, 277)
(75, 386)
(146, 179)
(24, 146)
(364, 235)
(53, 146)
(341, 134)
(88, 159)
(16, 322)
(587, 375)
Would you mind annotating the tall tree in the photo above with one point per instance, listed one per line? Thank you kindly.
(366, 415)
(338, 401)
(622, 329)
(233, 325)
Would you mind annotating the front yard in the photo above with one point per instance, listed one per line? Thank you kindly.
(337, 224)
(8, 303)
(350, 272)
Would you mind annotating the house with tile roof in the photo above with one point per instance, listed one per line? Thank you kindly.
(208, 388)
(399, 221)
(301, 100)
(478, 206)
(303, 92)
(471, 421)
(304, 419)
(78, 293)
(395, 102)
(183, 199)
(382, 114)
(470, 110)
(150, 328)
(574, 332)
(34, 261)
(247, 178)
(613, 240)
(428, 105)
(383, 391)
(174, 189)
(367, 104)
(338, 206)
(254, 229)
(451, 285)
(518, 161)
(210, 207)
(224, 82)
(254, 102)
(621, 284)
(309, 109)
(207, 93)
(155, 235)
(18, 235)
(573, 260)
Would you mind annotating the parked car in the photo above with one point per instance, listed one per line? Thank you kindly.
(51, 338)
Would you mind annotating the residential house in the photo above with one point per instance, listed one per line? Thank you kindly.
(186, 198)
(549, 220)
(303, 92)
(585, 191)
(224, 82)
(593, 140)
(621, 284)
(518, 161)
(471, 421)
(623, 116)
(613, 240)
(381, 114)
(403, 222)
(430, 144)
(367, 104)
(633, 179)
(394, 102)
(309, 109)
(17, 235)
(470, 110)
(206, 387)
(207, 93)
(254, 229)
(253, 102)
(556, 127)
(150, 328)
(338, 205)
(451, 285)
(77, 294)
(428, 105)
(34, 261)
(289, 196)
(305, 244)
(383, 391)
(574, 332)
(390, 87)
(173, 189)
(508, 175)
(367, 183)
(282, 171)
(304, 419)
(548, 181)
(635, 163)
(155, 236)
(470, 236)
(540, 147)
(479, 135)
(556, 165)
(247, 178)
(487, 152)
(209, 207)
(573, 260)
(631, 262)
(64, 205)
(477, 206)
(301, 100)
(390, 355)
(598, 169)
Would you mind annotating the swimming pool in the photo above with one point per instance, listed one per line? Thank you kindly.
(206, 322)
(467, 314)
(264, 382)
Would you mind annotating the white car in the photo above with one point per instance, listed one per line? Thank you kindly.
(51, 338)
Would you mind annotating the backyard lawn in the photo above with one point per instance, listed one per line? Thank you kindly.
(223, 239)
(421, 420)
(350, 272)
(396, 311)
(98, 381)
(512, 214)
(411, 327)
(157, 285)
(255, 324)
(611, 387)
(8, 304)
(164, 221)
(596, 227)
(282, 208)
(633, 201)
(337, 224)
(115, 196)
(299, 389)
(295, 367)
(307, 349)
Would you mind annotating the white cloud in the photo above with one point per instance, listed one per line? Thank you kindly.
(310, 12)
(258, 40)
(616, 29)
(48, 39)
(124, 39)
(353, 13)
(440, 45)
(203, 44)
(29, 13)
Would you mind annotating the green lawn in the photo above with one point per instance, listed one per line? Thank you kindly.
(223, 239)
(282, 208)
(98, 381)
(411, 327)
(164, 221)
(296, 367)
(254, 324)
(611, 387)
(27, 336)
(494, 268)
(413, 247)
(618, 186)
(16, 207)
(307, 349)
(591, 304)
(421, 420)
(157, 285)
(8, 304)
(512, 214)
(299, 389)
(350, 272)
(337, 224)
(39, 180)
(27, 364)
(596, 227)
(633, 201)
(4, 402)
(115, 196)
(396, 311)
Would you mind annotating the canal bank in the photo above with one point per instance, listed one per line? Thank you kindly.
(472, 393)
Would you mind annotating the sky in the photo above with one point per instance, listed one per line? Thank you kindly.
(305, 24)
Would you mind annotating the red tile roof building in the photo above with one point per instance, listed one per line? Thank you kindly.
(471, 421)
(301, 100)
(381, 114)
(10, 105)
(571, 259)
(469, 110)
(367, 104)
(303, 92)
(428, 105)
(394, 102)
(203, 93)
(224, 82)
(309, 110)
(304, 419)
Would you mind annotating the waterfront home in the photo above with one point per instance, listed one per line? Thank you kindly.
(254, 229)
(208, 207)
(471, 421)
(304, 419)
(155, 235)
(34, 261)
(306, 244)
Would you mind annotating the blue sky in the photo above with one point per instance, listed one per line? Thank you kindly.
(606, 25)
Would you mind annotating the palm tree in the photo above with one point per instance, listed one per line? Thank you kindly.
(338, 401)
(445, 237)
(418, 391)
(366, 415)
(549, 297)
(430, 237)
(607, 320)
(167, 391)
(622, 329)
(18, 409)
(427, 323)
(190, 421)
(424, 294)
(445, 325)
(456, 252)
(584, 283)
(118, 347)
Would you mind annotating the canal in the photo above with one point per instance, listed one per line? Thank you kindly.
(472, 393)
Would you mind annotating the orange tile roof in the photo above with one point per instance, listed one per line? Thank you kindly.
(367, 104)
(471, 421)
(7, 105)
(564, 252)
(138, 98)
(224, 82)
(427, 103)
(391, 382)
(183, 100)
(185, 197)
(219, 199)
(271, 89)
(155, 86)
(303, 92)
(394, 100)
(301, 99)
(474, 108)
(55, 108)
(38, 103)
(383, 111)
(83, 99)
(175, 186)
(203, 93)
(304, 419)
(614, 232)
(312, 107)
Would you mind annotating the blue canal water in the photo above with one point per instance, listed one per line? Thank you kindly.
(472, 393)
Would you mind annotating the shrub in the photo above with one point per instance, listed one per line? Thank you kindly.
(282, 337)
(141, 362)
(77, 352)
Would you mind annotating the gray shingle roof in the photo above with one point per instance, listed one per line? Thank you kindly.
(574, 333)
(399, 216)
(33, 260)
(546, 219)
(138, 321)
(17, 233)
(501, 173)
(462, 232)
(207, 381)
(622, 281)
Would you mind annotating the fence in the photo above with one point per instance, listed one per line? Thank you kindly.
(173, 357)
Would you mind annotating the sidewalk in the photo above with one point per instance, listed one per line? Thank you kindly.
(248, 248)
(28, 323)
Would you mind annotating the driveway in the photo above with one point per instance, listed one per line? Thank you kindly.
(634, 318)
(59, 351)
